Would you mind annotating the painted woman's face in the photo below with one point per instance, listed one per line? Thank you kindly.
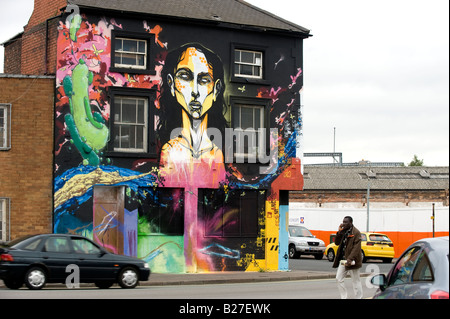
(193, 85)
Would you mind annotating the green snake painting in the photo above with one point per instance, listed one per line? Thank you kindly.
(87, 128)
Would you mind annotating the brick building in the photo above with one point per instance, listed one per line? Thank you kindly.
(397, 201)
(218, 204)
(26, 154)
(33, 51)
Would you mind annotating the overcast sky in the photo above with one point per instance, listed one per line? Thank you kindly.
(377, 71)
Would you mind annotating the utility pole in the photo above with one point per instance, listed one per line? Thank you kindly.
(334, 145)
(369, 175)
(432, 218)
(368, 201)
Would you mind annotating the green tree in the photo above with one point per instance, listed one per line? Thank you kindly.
(416, 161)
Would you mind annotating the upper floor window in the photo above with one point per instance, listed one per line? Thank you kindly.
(250, 130)
(248, 64)
(130, 53)
(130, 124)
(5, 126)
(247, 122)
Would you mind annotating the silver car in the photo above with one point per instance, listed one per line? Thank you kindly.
(302, 242)
(421, 272)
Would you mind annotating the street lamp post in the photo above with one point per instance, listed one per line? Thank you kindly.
(432, 218)
(368, 202)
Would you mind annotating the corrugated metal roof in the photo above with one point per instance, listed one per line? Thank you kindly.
(229, 11)
(381, 178)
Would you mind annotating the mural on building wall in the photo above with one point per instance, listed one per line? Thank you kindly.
(186, 207)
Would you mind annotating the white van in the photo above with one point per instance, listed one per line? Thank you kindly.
(302, 242)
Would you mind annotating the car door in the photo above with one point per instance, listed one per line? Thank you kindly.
(422, 278)
(57, 255)
(93, 262)
(411, 275)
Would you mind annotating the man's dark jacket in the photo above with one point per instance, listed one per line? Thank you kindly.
(352, 250)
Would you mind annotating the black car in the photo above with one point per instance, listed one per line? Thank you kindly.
(70, 259)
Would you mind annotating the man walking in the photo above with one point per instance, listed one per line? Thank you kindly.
(348, 257)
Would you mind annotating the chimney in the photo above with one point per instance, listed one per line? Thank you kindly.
(38, 54)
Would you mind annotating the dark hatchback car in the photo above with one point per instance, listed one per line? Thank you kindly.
(422, 272)
(53, 258)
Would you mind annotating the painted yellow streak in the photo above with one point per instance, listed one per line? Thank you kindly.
(80, 184)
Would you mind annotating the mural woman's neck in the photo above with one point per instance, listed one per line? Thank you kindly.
(195, 130)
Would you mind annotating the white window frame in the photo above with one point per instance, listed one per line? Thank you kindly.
(4, 219)
(120, 53)
(5, 126)
(118, 124)
(257, 132)
(255, 63)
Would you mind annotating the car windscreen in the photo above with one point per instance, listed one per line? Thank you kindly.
(299, 232)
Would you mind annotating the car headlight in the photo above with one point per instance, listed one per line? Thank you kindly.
(146, 265)
(322, 244)
(302, 243)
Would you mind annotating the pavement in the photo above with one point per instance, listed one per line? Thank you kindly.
(226, 277)
(233, 277)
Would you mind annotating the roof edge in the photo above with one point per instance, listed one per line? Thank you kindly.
(296, 29)
(304, 30)
(25, 76)
(12, 39)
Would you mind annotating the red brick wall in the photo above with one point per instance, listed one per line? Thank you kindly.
(33, 50)
(44, 9)
(351, 196)
(32, 58)
(26, 169)
(12, 60)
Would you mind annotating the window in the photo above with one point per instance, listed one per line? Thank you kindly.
(423, 271)
(234, 214)
(130, 53)
(5, 126)
(250, 136)
(57, 245)
(33, 245)
(162, 212)
(83, 246)
(4, 209)
(248, 64)
(412, 266)
(130, 124)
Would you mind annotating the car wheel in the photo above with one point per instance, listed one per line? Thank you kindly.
(104, 284)
(330, 255)
(364, 258)
(35, 278)
(13, 284)
(292, 252)
(128, 278)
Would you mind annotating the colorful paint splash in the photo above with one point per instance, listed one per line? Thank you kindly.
(182, 208)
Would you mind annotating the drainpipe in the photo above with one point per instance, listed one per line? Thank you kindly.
(46, 43)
